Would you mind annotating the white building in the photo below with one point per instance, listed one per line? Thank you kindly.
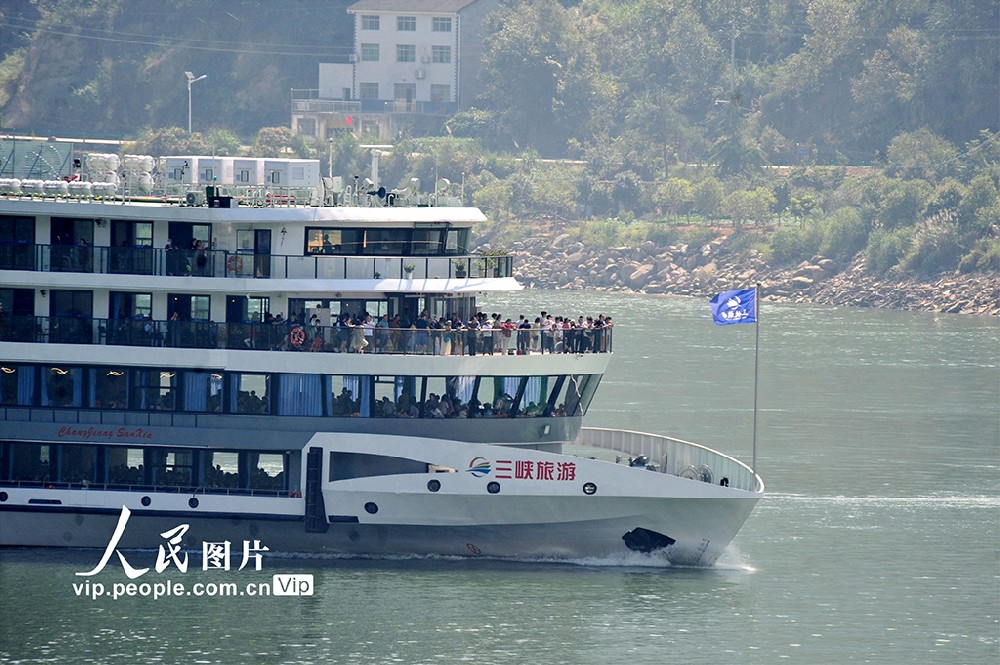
(413, 61)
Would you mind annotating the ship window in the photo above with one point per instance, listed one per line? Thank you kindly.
(580, 390)
(351, 395)
(77, 464)
(17, 240)
(334, 241)
(63, 386)
(202, 391)
(250, 393)
(32, 462)
(425, 242)
(154, 390)
(386, 241)
(364, 465)
(457, 241)
(109, 387)
(222, 469)
(300, 395)
(170, 468)
(268, 471)
(17, 384)
(125, 466)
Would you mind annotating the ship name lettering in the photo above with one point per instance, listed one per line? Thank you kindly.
(137, 433)
(88, 433)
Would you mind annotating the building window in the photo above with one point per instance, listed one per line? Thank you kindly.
(369, 22)
(405, 92)
(406, 23)
(406, 53)
(440, 93)
(369, 52)
(368, 90)
(439, 24)
(441, 54)
(307, 127)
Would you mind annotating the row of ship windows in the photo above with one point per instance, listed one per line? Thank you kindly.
(405, 23)
(120, 467)
(366, 396)
(72, 246)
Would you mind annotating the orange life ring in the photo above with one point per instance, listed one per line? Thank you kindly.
(234, 264)
(297, 336)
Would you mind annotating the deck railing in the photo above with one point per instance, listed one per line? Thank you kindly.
(298, 338)
(134, 487)
(224, 263)
(674, 456)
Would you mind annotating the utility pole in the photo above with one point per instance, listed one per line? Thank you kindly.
(733, 34)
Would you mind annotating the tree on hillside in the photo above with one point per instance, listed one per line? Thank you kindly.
(522, 60)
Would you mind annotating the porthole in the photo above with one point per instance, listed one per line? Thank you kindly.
(589, 489)
(371, 508)
(3, 496)
(434, 485)
(145, 501)
(493, 488)
(193, 502)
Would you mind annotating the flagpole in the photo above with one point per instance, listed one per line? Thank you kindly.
(756, 354)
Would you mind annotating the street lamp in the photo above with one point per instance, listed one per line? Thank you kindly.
(191, 78)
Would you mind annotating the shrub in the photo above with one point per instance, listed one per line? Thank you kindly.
(886, 248)
(793, 244)
(844, 234)
(935, 246)
(985, 255)
(698, 236)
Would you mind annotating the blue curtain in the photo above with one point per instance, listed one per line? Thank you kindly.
(361, 388)
(510, 384)
(328, 392)
(463, 388)
(92, 385)
(25, 385)
(77, 387)
(300, 395)
(532, 391)
(195, 391)
(141, 383)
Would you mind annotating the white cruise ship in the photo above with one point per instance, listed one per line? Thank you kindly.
(260, 353)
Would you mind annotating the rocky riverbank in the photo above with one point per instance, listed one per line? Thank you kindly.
(554, 261)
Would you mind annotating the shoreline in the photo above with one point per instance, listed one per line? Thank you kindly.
(558, 263)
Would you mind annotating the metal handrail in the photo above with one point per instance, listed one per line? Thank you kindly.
(225, 263)
(294, 337)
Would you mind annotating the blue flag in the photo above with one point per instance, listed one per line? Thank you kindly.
(734, 307)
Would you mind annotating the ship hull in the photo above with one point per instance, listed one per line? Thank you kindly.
(595, 509)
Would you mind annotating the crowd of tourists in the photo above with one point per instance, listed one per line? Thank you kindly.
(481, 334)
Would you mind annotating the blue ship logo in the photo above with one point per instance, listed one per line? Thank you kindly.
(479, 467)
